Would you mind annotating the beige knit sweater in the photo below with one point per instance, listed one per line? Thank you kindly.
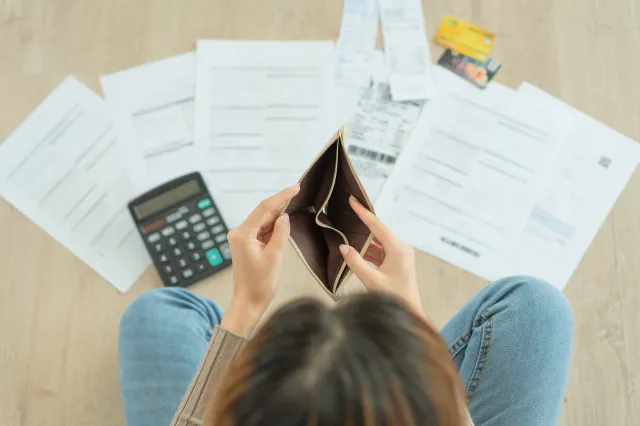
(223, 348)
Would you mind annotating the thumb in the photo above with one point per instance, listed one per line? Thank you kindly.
(280, 234)
(363, 270)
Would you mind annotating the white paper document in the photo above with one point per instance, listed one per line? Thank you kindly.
(263, 112)
(468, 177)
(379, 130)
(591, 171)
(63, 169)
(153, 109)
(495, 96)
(407, 50)
(356, 42)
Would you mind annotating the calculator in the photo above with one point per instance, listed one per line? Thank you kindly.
(182, 230)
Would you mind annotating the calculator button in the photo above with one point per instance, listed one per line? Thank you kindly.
(163, 258)
(191, 245)
(154, 237)
(172, 241)
(168, 269)
(204, 203)
(181, 225)
(173, 279)
(186, 235)
(184, 209)
(213, 220)
(221, 238)
(157, 247)
(202, 267)
(182, 262)
(226, 250)
(199, 227)
(195, 218)
(217, 229)
(173, 217)
(168, 231)
(196, 256)
(203, 236)
(207, 244)
(214, 257)
(177, 252)
(209, 212)
(187, 273)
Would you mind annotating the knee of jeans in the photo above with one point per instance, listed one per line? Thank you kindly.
(148, 307)
(538, 301)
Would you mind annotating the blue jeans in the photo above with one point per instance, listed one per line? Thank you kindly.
(511, 343)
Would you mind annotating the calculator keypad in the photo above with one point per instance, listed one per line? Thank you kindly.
(190, 244)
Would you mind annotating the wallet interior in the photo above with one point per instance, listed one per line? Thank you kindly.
(322, 219)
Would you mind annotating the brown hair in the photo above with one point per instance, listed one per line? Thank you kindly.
(369, 361)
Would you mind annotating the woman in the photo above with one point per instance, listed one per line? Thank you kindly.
(372, 360)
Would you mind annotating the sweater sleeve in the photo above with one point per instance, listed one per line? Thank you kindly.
(223, 348)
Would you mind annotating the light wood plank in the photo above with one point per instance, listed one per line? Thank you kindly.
(58, 319)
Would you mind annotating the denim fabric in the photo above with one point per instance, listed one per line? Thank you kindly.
(511, 343)
(164, 335)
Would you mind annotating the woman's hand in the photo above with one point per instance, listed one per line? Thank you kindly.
(395, 261)
(257, 248)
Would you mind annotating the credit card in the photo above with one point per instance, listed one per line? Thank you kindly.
(477, 72)
(464, 37)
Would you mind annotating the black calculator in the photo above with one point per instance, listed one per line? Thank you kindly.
(183, 230)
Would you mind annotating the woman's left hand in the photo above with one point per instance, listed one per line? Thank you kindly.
(257, 250)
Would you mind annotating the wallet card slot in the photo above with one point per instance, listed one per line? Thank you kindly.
(335, 261)
(339, 210)
(311, 243)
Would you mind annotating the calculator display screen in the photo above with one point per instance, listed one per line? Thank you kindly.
(167, 199)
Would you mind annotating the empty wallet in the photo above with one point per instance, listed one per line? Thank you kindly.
(321, 217)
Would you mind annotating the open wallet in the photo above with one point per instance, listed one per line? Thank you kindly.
(321, 217)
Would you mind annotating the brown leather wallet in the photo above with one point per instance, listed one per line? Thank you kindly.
(322, 219)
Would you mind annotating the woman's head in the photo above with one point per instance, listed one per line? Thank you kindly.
(369, 361)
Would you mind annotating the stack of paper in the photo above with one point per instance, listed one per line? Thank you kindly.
(517, 189)
(495, 181)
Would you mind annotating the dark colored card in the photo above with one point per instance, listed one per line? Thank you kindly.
(477, 72)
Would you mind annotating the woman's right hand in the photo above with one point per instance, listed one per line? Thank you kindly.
(395, 261)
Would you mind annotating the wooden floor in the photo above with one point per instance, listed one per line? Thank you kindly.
(58, 319)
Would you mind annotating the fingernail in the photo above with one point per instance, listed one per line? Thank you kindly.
(285, 217)
(295, 185)
(354, 199)
(344, 249)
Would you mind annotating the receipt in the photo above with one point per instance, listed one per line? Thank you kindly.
(356, 42)
(407, 50)
(380, 128)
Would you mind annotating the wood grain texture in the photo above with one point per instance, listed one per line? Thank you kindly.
(58, 319)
